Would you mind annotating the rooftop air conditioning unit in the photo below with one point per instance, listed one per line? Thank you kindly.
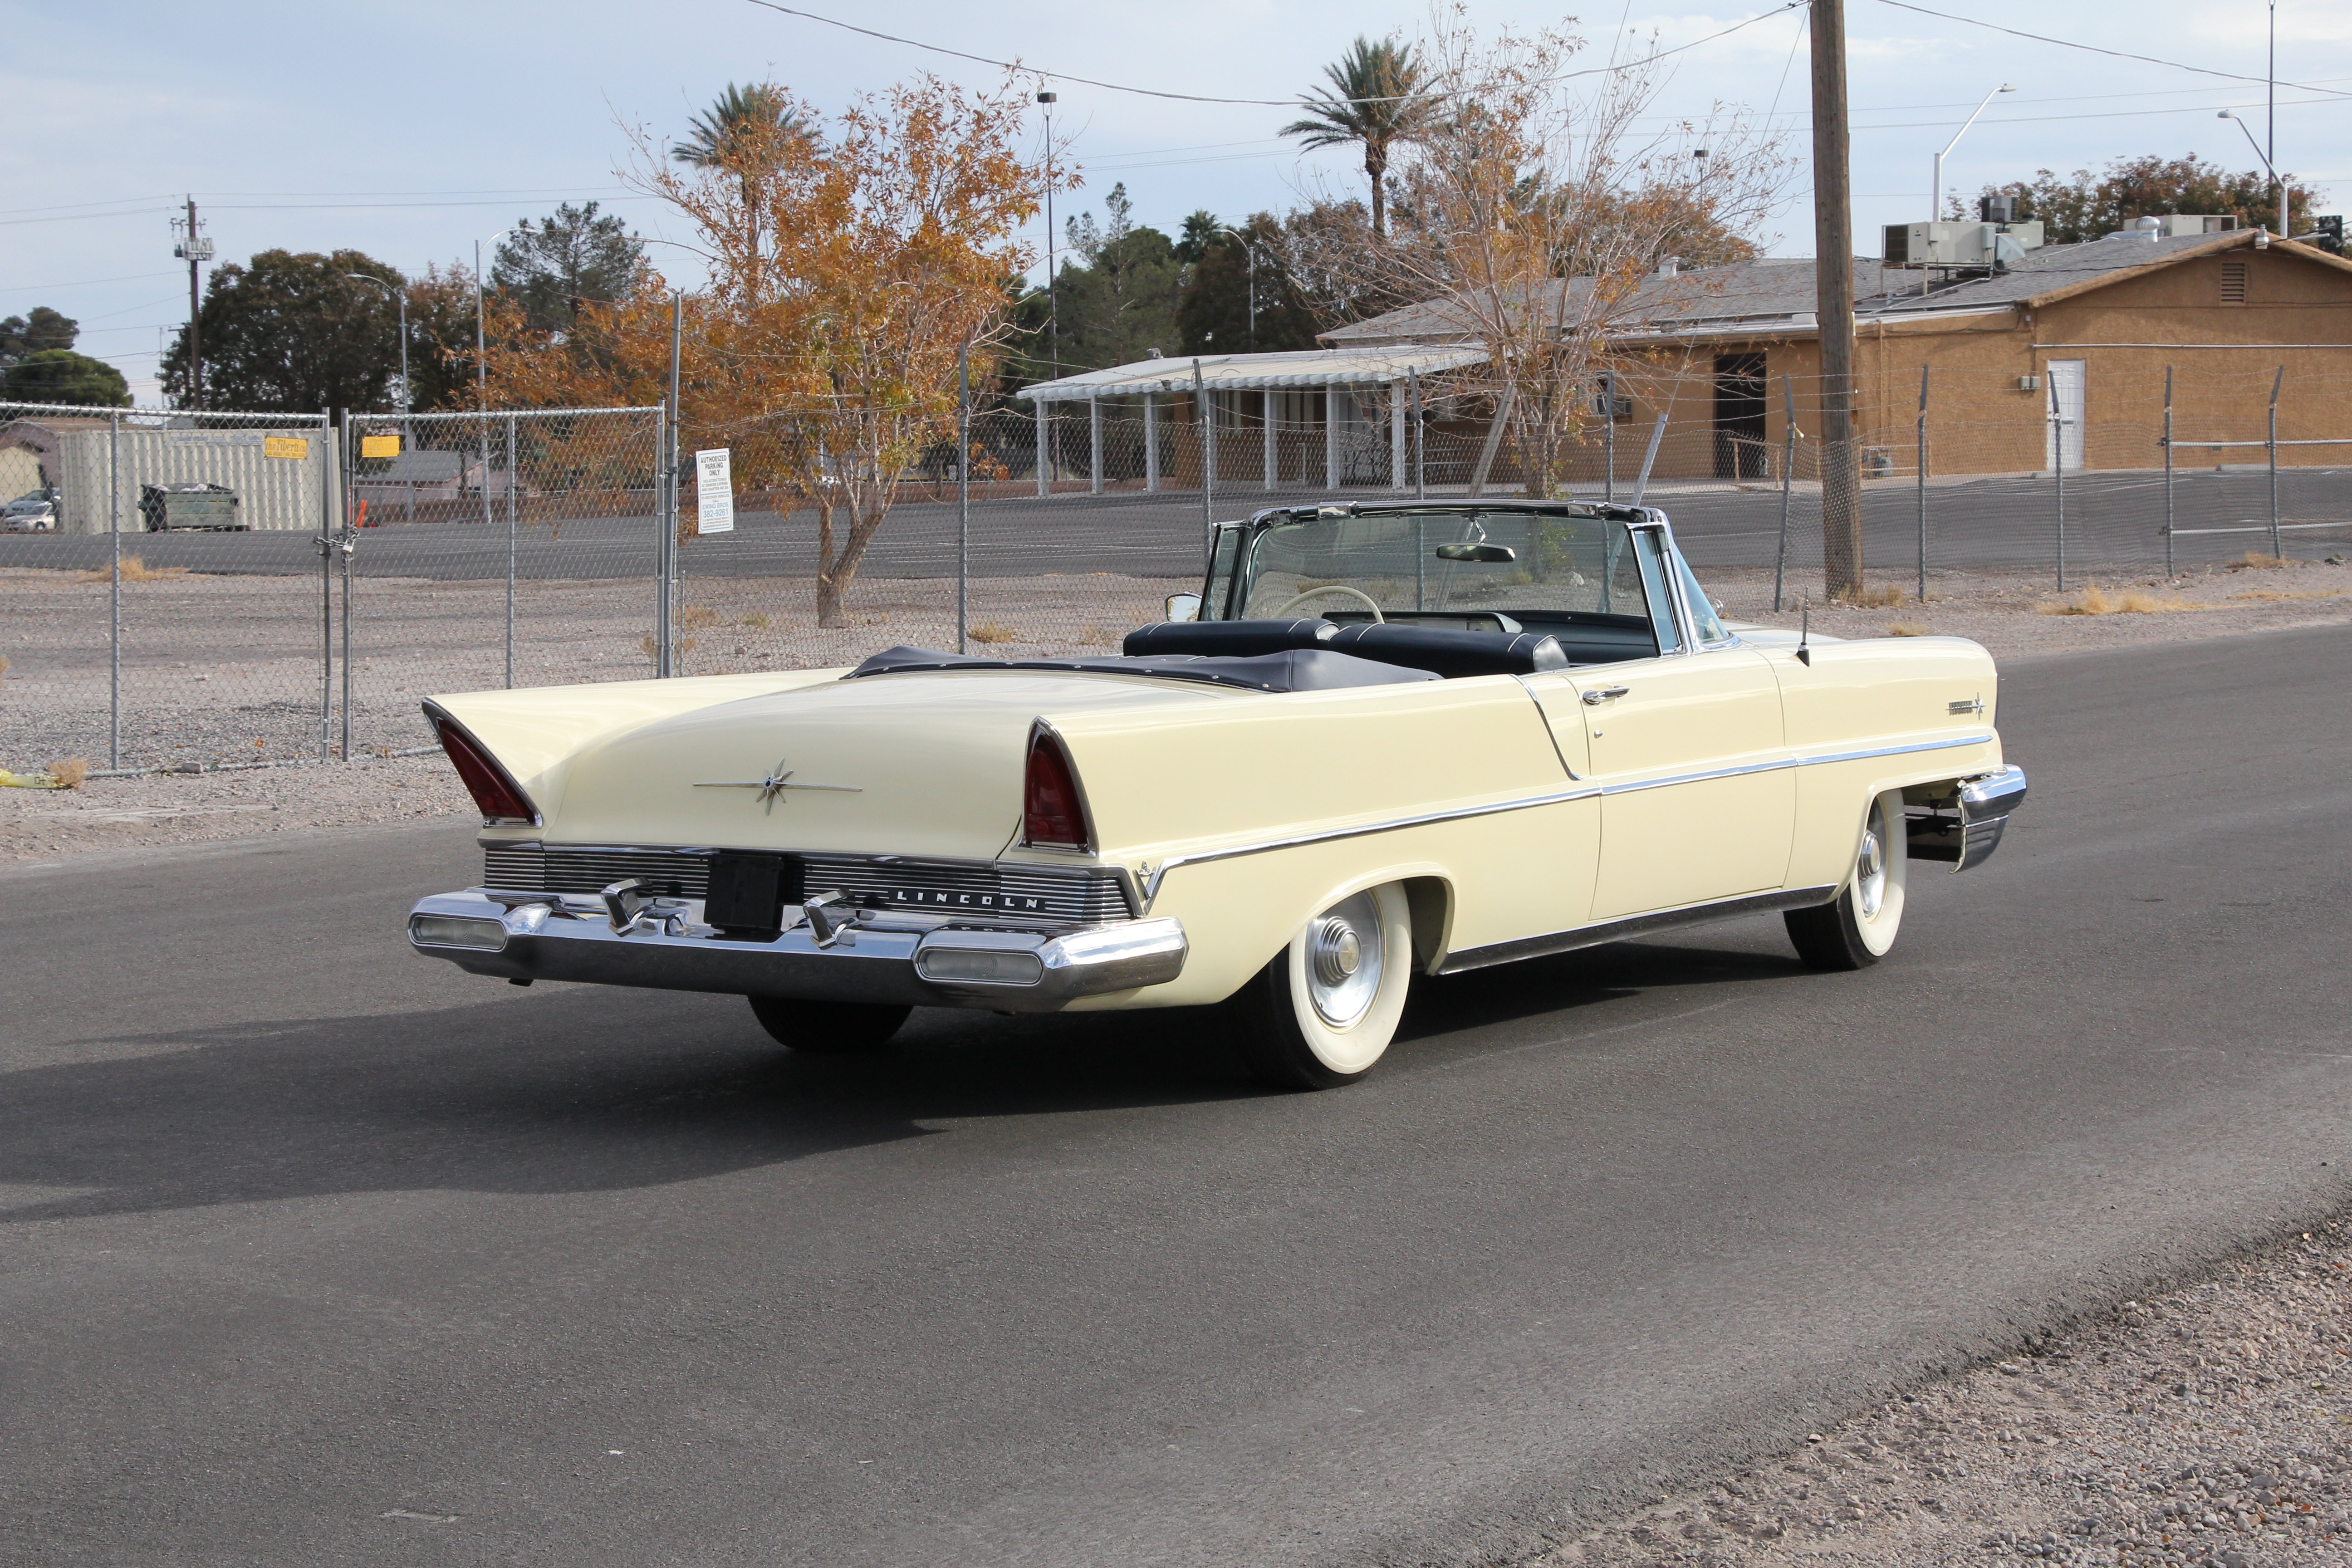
(1958, 244)
(2172, 224)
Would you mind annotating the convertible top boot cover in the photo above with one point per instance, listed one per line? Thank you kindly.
(1295, 669)
(1451, 654)
(1229, 640)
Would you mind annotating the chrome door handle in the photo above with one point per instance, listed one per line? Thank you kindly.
(1601, 694)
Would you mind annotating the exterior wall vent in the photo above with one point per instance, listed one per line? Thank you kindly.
(2234, 282)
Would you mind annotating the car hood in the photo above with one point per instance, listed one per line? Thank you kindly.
(915, 763)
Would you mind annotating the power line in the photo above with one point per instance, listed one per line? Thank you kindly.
(2095, 50)
(1248, 103)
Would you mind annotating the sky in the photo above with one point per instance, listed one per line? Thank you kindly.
(409, 131)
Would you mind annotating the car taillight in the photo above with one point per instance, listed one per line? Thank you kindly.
(1051, 810)
(498, 796)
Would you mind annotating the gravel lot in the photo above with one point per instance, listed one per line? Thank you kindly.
(2205, 1427)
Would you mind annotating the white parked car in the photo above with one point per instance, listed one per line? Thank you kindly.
(34, 513)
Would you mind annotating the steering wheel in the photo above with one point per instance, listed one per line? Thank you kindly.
(1298, 599)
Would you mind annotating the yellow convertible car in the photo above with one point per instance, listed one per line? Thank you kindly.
(1383, 741)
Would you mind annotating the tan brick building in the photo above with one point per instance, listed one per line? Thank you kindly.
(1725, 352)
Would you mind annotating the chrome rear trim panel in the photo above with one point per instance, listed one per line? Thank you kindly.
(1075, 895)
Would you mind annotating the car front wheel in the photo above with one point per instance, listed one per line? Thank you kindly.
(1325, 1009)
(1855, 930)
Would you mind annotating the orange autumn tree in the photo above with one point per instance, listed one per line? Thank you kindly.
(845, 275)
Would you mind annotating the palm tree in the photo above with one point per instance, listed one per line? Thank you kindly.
(742, 133)
(1377, 103)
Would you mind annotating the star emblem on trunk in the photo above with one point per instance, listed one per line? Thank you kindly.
(779, 779)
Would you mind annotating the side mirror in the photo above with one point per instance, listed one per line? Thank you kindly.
(1482, 554)
(1184, 607)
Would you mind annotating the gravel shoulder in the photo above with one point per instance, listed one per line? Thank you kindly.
(2208, 1425)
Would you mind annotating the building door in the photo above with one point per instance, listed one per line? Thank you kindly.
(1739, 449)
(2063, 408)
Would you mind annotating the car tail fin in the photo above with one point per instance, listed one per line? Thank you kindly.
(494, 790)
(1052, 811)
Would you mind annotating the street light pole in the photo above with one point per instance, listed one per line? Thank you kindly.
(400, 298)
(2285, 230)
(1935, 203)
(482, 346)
(1249, 250)
(1053, 299)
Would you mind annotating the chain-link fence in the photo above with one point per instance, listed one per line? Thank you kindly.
(307, 617)
(203, 590)
(511, 548)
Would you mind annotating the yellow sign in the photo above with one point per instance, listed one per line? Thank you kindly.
(294, 446)
(378, 445)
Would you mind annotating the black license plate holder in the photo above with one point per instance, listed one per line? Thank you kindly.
(747, 893)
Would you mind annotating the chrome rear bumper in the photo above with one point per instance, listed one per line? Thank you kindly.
(876, 956)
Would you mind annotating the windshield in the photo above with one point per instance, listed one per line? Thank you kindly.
(1472, 564)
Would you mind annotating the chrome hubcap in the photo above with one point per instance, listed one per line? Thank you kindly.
(1343, 960)
(1870, 874)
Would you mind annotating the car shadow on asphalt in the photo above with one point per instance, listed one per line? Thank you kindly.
(572, 1090)
(1469, 1014)
(584, 1089)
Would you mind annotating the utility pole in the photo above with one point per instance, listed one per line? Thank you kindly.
(1833, 305)
(194, 249)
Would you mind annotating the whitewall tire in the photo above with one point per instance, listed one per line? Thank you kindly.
(1858, 928)
(1324, 1010)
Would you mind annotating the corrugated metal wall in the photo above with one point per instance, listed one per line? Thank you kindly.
(275, 492)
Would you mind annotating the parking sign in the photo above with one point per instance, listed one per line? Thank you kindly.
(714, 490)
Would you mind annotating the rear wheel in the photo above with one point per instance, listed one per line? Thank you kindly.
(827, 1028)
(1855, 930)
(1325, 1009)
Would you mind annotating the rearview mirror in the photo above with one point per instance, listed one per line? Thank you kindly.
(1184, 607)
(1483, 554)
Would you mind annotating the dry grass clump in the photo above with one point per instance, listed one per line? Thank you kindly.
(649, 647)
(2255, 560)
(1886, 595)
(2095, 601)
(134, 570)
(1096, 636)
(1906, 629)
(2281, 594)
(757, 622)
(66, 773)
(992, 632)
(694, 617)
(3, 667)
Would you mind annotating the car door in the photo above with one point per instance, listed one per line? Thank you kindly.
(1698, 798)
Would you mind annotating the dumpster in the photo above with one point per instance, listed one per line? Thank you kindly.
(208, 507)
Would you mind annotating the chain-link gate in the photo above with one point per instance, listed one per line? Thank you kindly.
(171, 609)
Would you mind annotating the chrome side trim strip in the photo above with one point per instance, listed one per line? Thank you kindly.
(1898, 751)
(1634, 926)
(1525, 803)
(1585, 791)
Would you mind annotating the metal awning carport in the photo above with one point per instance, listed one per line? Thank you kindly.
(1333, 370)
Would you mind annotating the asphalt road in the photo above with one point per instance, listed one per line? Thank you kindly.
(315, 1252)
(1974, 523)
